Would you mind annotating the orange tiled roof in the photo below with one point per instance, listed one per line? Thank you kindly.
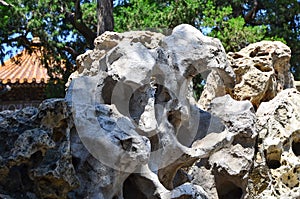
(24, 68)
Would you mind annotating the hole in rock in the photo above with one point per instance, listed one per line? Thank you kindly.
(127, 144)
(262, 67)
(138, 101)
(296, 142)
(59, 131)
(203, 163)
(296, 147)
(199, 82)
(228, 190)
(174, 117)
(237, 56)
(190, 71)
(180, 178)
(260, 54)
(254, 52)
(36, 158)
(161, 94)
(18, 179)
(75, 162)
(154, 140)
(53, 166)
(138, 187)
(109, 84)
(273, 159)
(273, 164)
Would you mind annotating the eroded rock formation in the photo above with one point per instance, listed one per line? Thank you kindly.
(262, 70)
(35, 156)
(136, 104)
(225, 173)
(276, 173)
(130, 128)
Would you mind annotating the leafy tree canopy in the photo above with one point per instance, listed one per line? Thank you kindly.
(60, 25)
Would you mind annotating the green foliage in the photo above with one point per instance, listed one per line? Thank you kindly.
(50, 20)
(155, 15)
(273, 20)
(55, 89)
(232, 31)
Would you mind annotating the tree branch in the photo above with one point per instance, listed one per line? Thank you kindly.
(20, 39)
(3, 3)
(82, 28)
(78, 13)
(251, 14)
(72, 51)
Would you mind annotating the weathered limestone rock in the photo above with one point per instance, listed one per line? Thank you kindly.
(134, 111)
(261, 69)
(35, 155)
(128, 124)
(129, 127)
(276, 173)
(226, 171)
(213, 88)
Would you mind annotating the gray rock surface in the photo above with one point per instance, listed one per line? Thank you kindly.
(129, 127)
(36, 161)
(226, 171)
(276, 173)
(133, 110)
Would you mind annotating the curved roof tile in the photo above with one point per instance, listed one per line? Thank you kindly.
(24, 68)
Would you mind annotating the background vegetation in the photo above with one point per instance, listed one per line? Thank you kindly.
(68, 28)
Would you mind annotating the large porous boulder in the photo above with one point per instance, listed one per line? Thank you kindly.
(262, 70)
(133, 110)
(130, 128)
(225, 173)
(276, 173)
(127, 127)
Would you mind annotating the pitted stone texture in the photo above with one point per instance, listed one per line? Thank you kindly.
(262, 71)
(133, 107)
(35, 158)
(278, 148)
(226, 171)
(133, 112)
(89, 61)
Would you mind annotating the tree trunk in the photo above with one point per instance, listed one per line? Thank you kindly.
(105, 16)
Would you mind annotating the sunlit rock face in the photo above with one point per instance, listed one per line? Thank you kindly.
(225, 173)
(276, 172)
(130, 128)
(261, 69)
(134, 111)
